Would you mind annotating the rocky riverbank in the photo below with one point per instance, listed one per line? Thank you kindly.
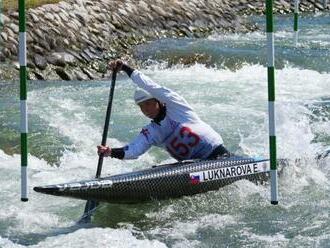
(74, 38)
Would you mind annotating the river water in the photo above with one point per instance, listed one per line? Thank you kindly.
(230, 93)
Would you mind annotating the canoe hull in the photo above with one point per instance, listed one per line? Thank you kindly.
(164, 182)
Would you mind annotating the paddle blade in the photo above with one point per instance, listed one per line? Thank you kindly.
(90, 208)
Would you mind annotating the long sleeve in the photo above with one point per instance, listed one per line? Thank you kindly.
(139, 145)
(173, 100)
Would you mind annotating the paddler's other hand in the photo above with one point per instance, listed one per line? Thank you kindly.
(105, 150)
(115, 65)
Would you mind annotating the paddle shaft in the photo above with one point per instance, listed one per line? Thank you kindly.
(91, 204)
(106, 123)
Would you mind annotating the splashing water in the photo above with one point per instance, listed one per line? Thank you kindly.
(66, 121)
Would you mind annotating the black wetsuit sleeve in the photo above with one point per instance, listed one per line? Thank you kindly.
(117, 153)
(127, 69)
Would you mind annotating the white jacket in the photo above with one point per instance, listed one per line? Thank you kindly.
(182, 133)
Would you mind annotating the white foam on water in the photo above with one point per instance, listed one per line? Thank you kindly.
(243, 38)
(92, 237)
(68, 116)
(246, 103)
(309, 35)
(240, 109)
(186, 233)
(240, 97)
(44, 214)
(6, 243)
(277, 240)
(98, 237)
(246, 108)
(75, 119)
(309, 241)
(39, 213)
(248, 84)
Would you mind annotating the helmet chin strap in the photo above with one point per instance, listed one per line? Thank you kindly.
(161, 114)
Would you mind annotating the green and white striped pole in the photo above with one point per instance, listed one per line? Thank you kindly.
(295, 22)
(271, 99)
(23, 98)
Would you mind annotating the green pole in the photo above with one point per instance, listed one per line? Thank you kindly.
(271, 99)
(23, 98)
(295, 22)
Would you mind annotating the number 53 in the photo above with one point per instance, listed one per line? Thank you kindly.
(183, 149)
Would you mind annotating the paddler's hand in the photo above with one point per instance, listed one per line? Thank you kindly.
(105, 150)
(115, 65)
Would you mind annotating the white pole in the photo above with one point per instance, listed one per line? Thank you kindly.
(271, 100)
(23, 98)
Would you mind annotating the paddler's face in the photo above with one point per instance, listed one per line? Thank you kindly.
(150, 108)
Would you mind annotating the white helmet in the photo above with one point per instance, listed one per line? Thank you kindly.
(141, 95)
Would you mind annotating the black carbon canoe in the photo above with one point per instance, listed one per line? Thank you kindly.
(165, 181)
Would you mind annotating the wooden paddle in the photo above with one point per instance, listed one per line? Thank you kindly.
(91, 205)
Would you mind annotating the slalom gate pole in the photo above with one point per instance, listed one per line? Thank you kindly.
(295, 22)
(271, 99)
(23, 99)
